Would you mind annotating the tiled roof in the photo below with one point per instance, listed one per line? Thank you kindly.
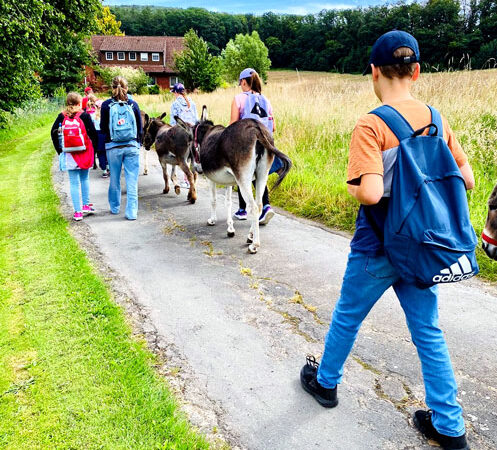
(163, 44)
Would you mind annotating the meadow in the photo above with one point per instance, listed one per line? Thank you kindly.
(315, 114)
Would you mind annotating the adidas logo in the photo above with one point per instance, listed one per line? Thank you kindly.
(460, 270)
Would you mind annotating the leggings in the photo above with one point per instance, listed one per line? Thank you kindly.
(265, 198)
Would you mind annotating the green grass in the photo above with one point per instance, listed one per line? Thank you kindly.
(71, 375)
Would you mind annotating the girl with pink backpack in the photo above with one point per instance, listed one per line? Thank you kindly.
(74, 138)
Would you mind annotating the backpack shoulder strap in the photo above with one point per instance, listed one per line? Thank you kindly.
(436, 119)
(395, 121)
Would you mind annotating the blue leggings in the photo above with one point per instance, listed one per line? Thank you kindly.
(79, 180)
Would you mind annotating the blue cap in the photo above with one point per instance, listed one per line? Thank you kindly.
(245, 73)
(385, 46)
(178, 87)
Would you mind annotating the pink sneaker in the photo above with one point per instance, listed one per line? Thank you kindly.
(78, 216)
(88, 209)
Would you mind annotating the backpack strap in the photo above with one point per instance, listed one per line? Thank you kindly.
(436, 119)
(395, 121)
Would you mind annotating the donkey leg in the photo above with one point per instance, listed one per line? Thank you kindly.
(212, 219)
(192, 193)
(229, 220)
(145, 161)
(174, 179)
(245, 187)
(163, 163)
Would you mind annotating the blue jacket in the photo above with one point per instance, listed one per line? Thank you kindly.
(104, 125)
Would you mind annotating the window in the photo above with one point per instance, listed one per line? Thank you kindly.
(174, 80)
(109, 56)
(155, 57)
(132, 56)
(120, 56)
(143, 56)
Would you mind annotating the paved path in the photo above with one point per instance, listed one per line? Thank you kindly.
(241, 325)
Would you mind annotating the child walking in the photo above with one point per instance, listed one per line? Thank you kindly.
(374, 147)
(74, 138)
(101, 152)
(251, 86)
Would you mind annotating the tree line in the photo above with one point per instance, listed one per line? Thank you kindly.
(452, 34)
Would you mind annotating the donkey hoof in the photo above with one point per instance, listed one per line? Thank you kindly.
(211, 222)
(250, 238)
(192, 200)
(165, 190)
(231, 234)
(145, 172)
(177, 189)
(252, 249)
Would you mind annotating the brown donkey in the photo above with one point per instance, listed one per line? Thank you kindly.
(238, 154)
(174, 147)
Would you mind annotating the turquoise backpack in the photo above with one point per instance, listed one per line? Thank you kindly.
(122, 123)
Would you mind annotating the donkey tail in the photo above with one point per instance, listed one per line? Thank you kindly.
(265, 139)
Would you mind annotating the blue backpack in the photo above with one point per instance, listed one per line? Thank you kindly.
(257, 107)
(428, 236)
(122, 122)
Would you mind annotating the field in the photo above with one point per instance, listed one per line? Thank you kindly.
(316, 112)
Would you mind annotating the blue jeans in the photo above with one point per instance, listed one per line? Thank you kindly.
(129, 157)
(366, 279)
(79, 180)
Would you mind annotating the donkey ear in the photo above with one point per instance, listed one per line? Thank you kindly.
(164, 114)
(147, 119)
(183, 125)
(204, 115)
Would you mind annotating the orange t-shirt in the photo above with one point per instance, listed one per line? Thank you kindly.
(373, 147)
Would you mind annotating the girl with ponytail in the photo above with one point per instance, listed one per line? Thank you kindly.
(251, 85)
(120, 122)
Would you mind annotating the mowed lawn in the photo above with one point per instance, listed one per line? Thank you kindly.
(71, 375)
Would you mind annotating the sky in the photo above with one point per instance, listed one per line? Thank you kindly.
(254, 6)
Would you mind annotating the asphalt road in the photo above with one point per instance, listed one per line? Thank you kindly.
(235, 328)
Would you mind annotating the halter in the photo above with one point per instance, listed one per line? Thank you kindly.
(488, 239)
(196, 146)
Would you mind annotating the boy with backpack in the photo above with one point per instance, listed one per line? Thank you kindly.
(412, 232)
(120, 122)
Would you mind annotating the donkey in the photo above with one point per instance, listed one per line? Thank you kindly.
(173, 145)
(489, 234)
(236, 155)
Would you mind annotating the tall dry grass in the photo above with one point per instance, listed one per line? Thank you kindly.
(316, 112)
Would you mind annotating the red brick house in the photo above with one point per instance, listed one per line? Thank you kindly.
(155, 54)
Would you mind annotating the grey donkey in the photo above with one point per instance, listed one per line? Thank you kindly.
(236, 155)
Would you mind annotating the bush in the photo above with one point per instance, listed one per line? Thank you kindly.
(137, 79)
(154, 89)
(196, 66)
(246, 50)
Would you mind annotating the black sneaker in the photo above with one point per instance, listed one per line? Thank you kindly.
(308, 378)
(422, 420)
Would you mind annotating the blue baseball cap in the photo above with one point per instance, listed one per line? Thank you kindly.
(178, 87)
(385, 46)
(245, 73)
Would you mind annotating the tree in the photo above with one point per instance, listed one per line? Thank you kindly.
(107, 23)
(137, 79)
(196, 66)
(246, 50)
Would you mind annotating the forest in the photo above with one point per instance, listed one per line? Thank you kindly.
(452, 34)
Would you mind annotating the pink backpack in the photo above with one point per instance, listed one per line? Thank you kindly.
(73, 134)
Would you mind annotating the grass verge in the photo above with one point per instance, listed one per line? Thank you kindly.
(71, 375)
